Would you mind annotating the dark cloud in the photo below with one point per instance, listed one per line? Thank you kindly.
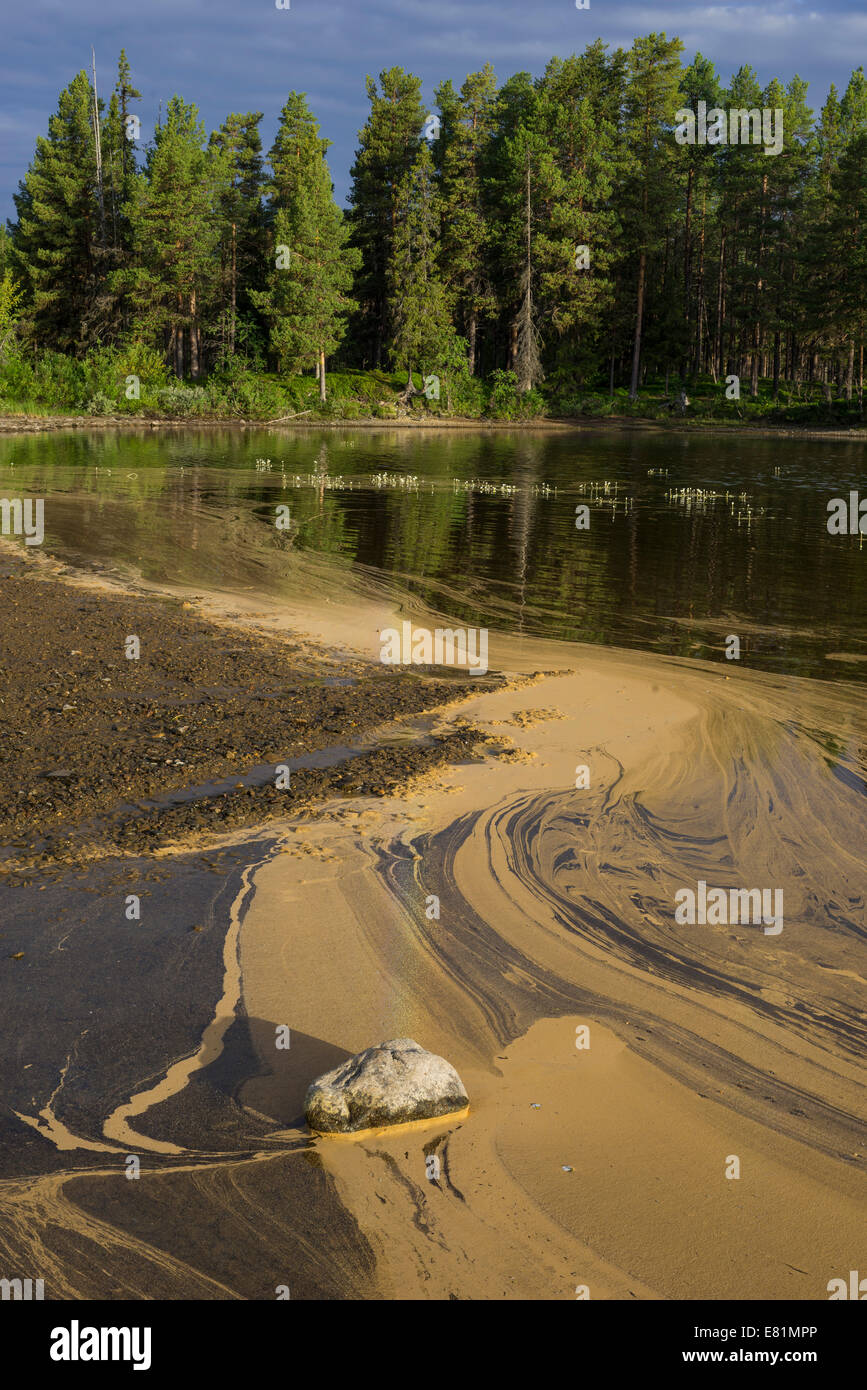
(247, 54)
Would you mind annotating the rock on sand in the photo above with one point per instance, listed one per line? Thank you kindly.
(389, 1084)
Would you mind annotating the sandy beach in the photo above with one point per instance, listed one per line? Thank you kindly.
(580, 1170)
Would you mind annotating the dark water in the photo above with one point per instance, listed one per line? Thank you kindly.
(691, 538)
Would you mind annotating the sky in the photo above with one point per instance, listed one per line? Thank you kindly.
(243, 55)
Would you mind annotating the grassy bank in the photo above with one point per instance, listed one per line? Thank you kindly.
(134, 385)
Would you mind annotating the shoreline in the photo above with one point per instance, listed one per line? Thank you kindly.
(37, 424)
(174, 760)
(572, 1168)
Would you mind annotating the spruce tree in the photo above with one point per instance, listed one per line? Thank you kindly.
(57, 258)
(853, 107)
(290, 155)
(239, 145)
(418, 303)
(126, 93)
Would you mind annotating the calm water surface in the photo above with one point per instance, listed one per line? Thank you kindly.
(690, 537)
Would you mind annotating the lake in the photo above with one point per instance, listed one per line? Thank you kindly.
(691, 538)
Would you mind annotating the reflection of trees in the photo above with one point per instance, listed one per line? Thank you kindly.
(515, 560)
(321, 521)
(522, 513)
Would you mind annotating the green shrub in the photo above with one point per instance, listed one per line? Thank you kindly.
(59, 380)
(503, 395)
(530, 405)
(100, 376)
(136, 359)
(180, 401)
(100, 405)
(245, 394)
(17, 378)
(468, 396)
(506, 402)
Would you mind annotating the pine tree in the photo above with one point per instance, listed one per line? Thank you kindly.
(512, 164)
(829, 142)
(786, 188)
(744, 212)
(307, 295)
(653, 97)
(468, 122)
(173, 282)
(118, 167)
(388, 145)
(527, 362)
(699, 84)
(844, 283)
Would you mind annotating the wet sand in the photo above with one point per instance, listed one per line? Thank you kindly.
(600, 1168)
(104, 752)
